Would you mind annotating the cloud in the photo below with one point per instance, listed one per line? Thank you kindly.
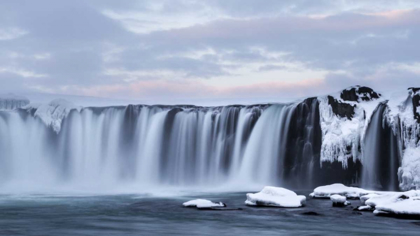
(11, 33)
(207, 48)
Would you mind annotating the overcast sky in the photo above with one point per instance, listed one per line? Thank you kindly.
(191, 50)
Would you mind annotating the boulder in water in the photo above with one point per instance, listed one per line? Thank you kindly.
(275, 197)
(204, 204)
(339, 201)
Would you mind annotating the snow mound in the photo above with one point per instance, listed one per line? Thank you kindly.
(366, 197)
(338, 189)
(53, 113)
(339, 201)
(400, 204)
(203, 203)
(338, 198)
(12, 101)
(276, 197)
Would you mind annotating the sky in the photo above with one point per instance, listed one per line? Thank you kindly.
(172, 51)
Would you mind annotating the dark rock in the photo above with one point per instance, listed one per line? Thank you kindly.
(341, 109)
(311, 213)
(359, 94)
(341, 204)
(403, 197)
(414, 92)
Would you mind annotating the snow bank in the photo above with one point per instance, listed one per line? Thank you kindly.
(203, 203)
(276, 197)
(12, 101)
(53, 113)
(338, 189)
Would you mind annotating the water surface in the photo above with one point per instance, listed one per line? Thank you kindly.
(148, 215)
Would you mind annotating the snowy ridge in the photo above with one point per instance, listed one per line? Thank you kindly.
(12, 101)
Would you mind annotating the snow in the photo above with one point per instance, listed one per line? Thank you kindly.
(338, 198)
(403, 203)
(12, 101)
(338, 189)
(364, 198)
(364, 208)
(203, 203)
(276, 197)
(53, 113)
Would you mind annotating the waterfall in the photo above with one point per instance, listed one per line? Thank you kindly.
(146, 146)
(380, 153)
(190, 146)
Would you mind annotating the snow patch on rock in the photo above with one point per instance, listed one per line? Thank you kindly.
(203, 203)
(338, 189)
(276, 197)
(338, 198)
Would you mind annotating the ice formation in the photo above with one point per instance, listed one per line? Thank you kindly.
(203, 203)
(344, 119)
(12, 101)
(408, 114)
(275, 197)
(53, 113)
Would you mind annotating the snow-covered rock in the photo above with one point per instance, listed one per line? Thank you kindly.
(53, 113)
(339, 201)
(12, 101)
(276, 197)
(364, 208)
(366, 197)
(404, 203)
(338, 198)
(203, 203)
(338, 189)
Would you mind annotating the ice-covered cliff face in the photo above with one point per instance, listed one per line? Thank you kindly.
(344, 119)
(382, 134)
(407, 121)
(357, 136)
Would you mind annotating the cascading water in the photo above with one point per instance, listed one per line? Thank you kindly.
(380, 153)
(146, 145)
